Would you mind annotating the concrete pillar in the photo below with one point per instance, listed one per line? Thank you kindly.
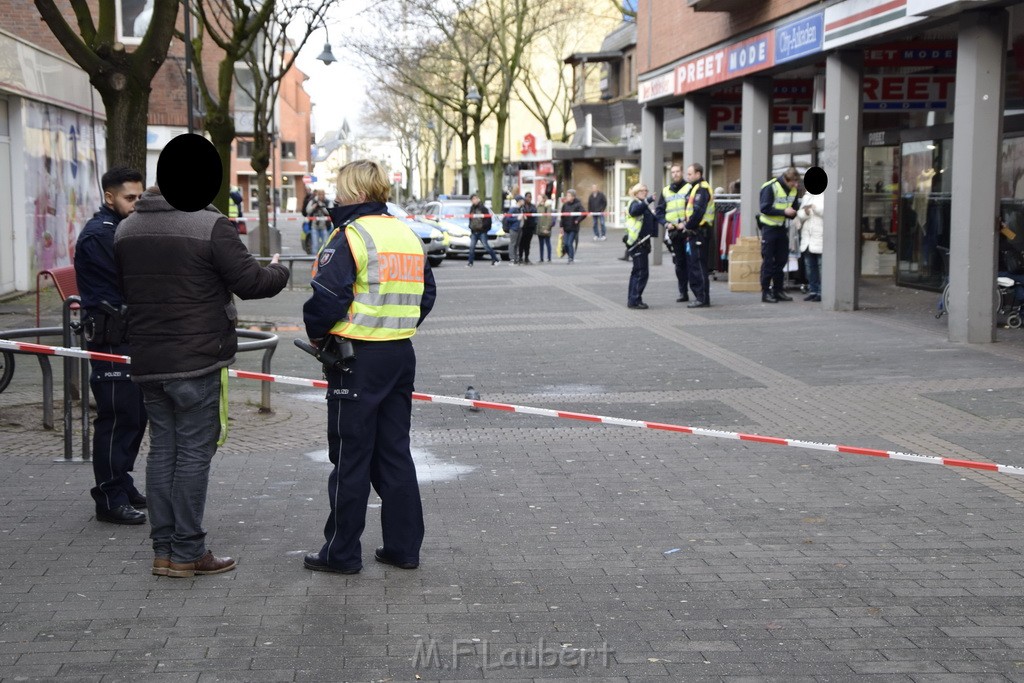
(695, 135)
(756, 143)
(842, 161)
(652, 160)
(977, 134)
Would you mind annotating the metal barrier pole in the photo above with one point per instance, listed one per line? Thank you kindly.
(268, 342)
(44, 366)
(68, 372)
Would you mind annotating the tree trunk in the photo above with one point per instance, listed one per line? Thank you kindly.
(481, 178)
(498, 169)
(464, 171)
(222, 133)
(127, 116)
(260, 162)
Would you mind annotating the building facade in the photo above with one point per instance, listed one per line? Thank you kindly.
(912, 107)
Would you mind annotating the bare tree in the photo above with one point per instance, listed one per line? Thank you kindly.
(552, 107)
(234, 26)
(122, 78)
(271, 58)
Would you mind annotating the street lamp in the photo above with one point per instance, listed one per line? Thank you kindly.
(327, 57)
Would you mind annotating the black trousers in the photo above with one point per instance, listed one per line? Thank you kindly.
(697, 266)
(774, 256)
(525, 239)
(679, 259)
(369, 413)
(117, 430)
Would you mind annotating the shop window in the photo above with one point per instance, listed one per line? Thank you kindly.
(244, 149)
(925, 180)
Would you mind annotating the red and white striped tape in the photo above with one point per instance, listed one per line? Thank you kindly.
(563, 414)
(439, 216)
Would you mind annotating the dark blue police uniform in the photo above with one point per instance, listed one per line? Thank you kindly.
(369, 413)
(698, 239)
(120, 412)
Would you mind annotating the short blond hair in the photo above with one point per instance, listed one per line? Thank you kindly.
(363, 177)
(636, 188)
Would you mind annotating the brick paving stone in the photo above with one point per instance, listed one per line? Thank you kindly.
(692, 558)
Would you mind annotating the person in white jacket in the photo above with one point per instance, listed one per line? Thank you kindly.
(812, 231)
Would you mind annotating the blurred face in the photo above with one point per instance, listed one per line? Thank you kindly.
(641, 194)
(792, 183)
(474, 200)
(122, 199)
(676, 173)
(529, 197)
(691, 175)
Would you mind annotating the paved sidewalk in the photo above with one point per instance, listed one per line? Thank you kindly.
(558, 549)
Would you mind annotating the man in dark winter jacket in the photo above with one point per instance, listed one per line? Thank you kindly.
(178, 273)
(120, 412)
(570, 223)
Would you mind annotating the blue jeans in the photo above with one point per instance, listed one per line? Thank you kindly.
(319, 237)
(475, 237)
(184, 424)
(599, 226)
(569, 243)
(545, 242)
(812, 265)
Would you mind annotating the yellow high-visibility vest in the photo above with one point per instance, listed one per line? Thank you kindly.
(709, 213)
(388, 289)
(784, 198)
(675, 202)
(633, 225)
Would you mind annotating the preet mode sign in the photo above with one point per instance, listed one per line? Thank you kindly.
(753, 54)
(900, 92)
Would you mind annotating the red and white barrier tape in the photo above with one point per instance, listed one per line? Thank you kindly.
(439, 216)
(563, 414)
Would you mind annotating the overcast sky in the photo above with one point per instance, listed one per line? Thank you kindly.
(339, 90)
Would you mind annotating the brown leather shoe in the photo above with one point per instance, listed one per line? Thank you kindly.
(161, 565)
(207, 564)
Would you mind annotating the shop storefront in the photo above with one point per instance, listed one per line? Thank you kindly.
(762, 96)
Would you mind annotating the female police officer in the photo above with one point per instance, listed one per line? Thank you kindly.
(372, 286)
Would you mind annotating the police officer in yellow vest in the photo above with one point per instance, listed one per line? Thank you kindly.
(671, 206)
(372, 285)
(778, 204)
(698, 220)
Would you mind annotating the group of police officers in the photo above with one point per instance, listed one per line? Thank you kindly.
(687, 210)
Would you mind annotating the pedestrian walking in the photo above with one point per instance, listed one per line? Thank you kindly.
(529, 228)
(372, 288)
(544, 226)
(570, 223)
(513, 223)
(597, 204)
(319, 218)
(479, 225)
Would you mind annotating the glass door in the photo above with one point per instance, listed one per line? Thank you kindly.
(880, 210)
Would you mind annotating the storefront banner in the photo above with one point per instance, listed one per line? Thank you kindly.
(659, 86)
(929, 54)
(901, 92)
(799, 38)
(795, 89)
(746, 57)
(785, 118)
(62, 180)
(855, 20)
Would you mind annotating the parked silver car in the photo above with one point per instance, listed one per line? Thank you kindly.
(457, 228)
(434, 240)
